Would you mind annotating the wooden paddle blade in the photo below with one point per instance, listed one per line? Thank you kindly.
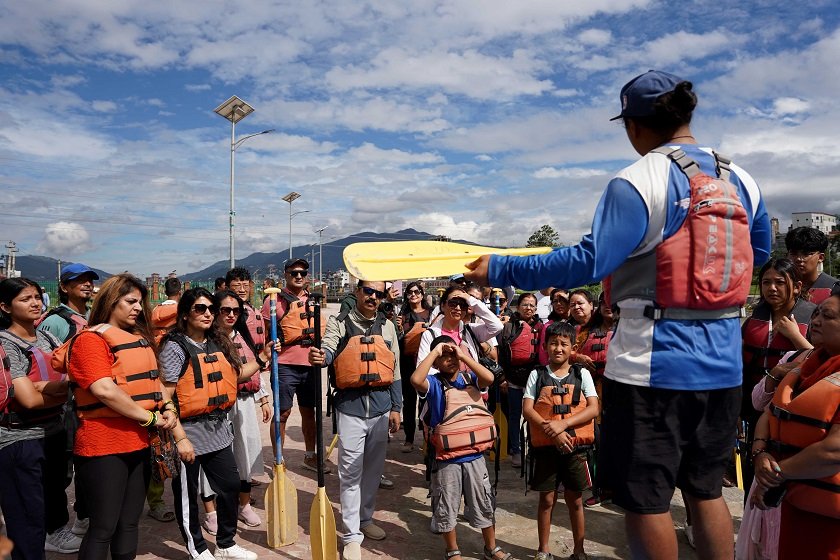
(322, 535)
(392, 260)
(282, 509)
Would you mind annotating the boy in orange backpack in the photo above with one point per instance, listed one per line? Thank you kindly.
(460, 429)
(560, 405)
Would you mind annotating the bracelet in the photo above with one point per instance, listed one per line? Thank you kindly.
(774, 378)
(260, 362)
(765, 440)
(151, 421)
(758, 452)
(177, 441)
(264, 403)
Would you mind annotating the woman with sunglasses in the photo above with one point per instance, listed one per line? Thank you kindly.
(411, 322)
(32, 441)
(247, 443)
(118, 397)
(518, 355)
(202, 368)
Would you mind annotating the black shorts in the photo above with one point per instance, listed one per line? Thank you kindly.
(296, 380)
(552, 468)
(657, 439)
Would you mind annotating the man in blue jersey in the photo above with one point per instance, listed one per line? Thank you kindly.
(673, 371)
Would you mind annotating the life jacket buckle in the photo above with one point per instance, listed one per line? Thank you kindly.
(368, 356)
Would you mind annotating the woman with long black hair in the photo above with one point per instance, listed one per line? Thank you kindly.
(202, 368)
(411, 322)
(32, 442)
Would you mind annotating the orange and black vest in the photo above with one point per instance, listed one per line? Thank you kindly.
(559, 400)
(246, 355)
(40, 369)
(208, 382)
(799, 419)
(296, 324)
(519, 345)
(134, 370)
(415, 326)
(595, 347)
(363, 358)
(759, 356)
(163, 318)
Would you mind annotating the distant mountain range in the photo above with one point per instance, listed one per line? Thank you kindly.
(45, 268)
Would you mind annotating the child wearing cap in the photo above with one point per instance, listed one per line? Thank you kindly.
(465, 475)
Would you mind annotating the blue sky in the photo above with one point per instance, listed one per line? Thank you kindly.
(475, 119)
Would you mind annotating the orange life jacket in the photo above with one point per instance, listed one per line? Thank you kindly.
(559, 400)
(246, 355)
(411, 339)
(164, 317)
(467, 427)
(363, 358)
(797, 420)
(208, 382)
(134, 371)
(704, 270)
(40, 369)
(296, 323)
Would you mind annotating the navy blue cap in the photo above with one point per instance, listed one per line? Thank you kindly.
(457, 278)
(639, 94)
(75, 270)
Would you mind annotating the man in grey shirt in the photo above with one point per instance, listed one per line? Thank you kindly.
(365, 414)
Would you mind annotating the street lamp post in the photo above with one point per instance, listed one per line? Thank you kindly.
(291, 197)
(320, 254)
(234, 110)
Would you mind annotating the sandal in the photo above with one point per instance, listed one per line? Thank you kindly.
(491, 554)
(452, 554)
(161, 513)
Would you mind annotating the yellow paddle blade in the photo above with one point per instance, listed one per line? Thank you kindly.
(394, 260)
(332, 445)
(322, 535)
(282, 509)
(739, 473)
(501, 422)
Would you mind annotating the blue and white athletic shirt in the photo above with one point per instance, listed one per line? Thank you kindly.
(644, 204)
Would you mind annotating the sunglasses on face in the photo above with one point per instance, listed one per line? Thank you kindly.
(368, 291)
(297, 273)
(229, 311)
(455, 303)
(202, 308)
(414, 292)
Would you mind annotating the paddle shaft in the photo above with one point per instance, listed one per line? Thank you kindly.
(275, 380)
(316, 371)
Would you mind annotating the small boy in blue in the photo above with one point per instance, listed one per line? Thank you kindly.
(560, 463)
(463, 476)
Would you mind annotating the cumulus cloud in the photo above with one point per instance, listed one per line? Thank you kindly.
(65, 238)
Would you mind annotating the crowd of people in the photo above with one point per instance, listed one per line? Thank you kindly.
(627, 392)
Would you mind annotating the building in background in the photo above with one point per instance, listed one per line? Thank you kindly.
(826, 223)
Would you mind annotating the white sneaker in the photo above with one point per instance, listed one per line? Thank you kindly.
(80, 526)
(206, 555)
(352, 551)
(63, 541)
(236, 552)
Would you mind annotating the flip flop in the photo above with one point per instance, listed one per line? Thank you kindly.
(162, 513)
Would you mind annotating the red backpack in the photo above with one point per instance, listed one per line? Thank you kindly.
(467, 427)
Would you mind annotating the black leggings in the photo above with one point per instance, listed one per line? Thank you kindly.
(116, 493)
(409, 395)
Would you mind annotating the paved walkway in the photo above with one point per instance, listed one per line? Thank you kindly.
(404, 514)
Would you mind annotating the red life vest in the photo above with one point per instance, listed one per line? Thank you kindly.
(703, 271)
(256, 326)
(759, 357)
(821, 289)
(246, 355)
(363, 358)
(518, 349)
(40, 369)
(467, 427)
(164, 317)
(799, 419)
(595, 347)
(208, 382)
(134, 371)
(76, 322)
(559, 400)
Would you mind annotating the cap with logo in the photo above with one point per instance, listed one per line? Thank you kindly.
(75, 270)
(639, 94)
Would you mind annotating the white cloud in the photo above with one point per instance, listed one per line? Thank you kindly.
(101, 106)
(595, 37)
(65, 238)
(567, 173)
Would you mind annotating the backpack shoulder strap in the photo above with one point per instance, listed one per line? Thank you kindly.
(576, 371)
(678, 156)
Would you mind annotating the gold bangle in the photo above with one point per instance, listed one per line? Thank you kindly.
(152, 420)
